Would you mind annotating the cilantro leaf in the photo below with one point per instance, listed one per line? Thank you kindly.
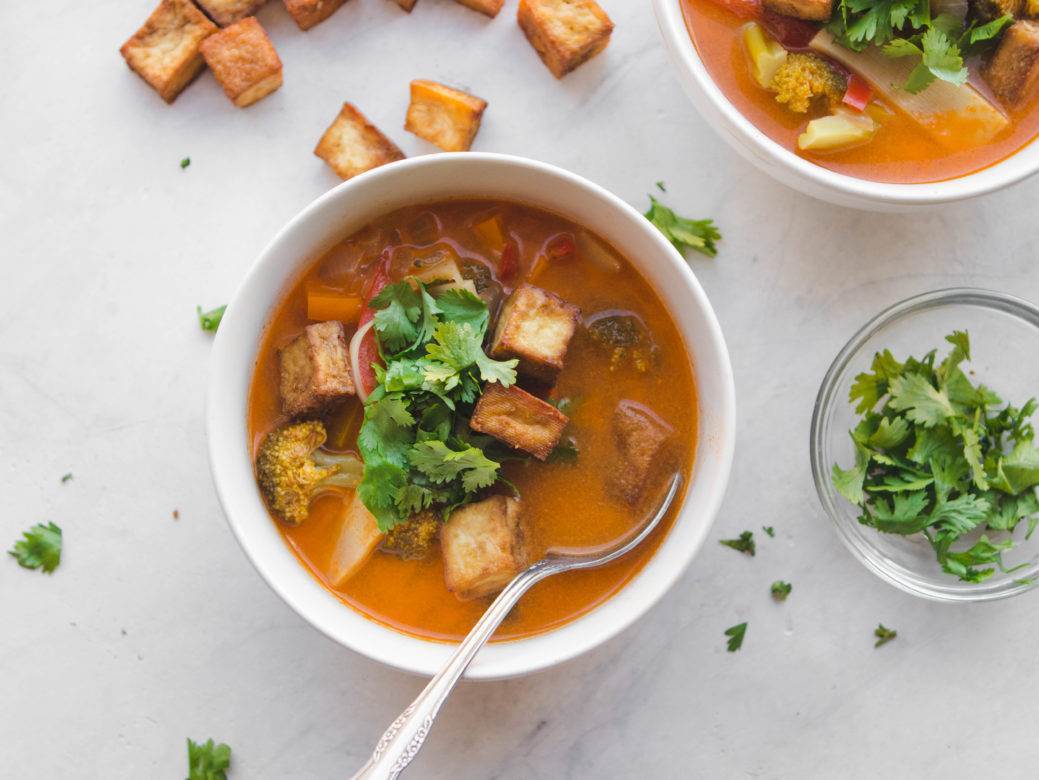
(698, 234)
(736, 634)
(769, 530)
(39, 548)
(208, 761)
(66, 478)
(849, 482)
(883, 635)
(780, 590)
(379, 489)
(456, 349)
(210, 320)
(922, 402)
(185, 163)
(744, 544)
(462, 306)
(441, 464)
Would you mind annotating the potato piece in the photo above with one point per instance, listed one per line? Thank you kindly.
(359, 535)
(444, 116)
(640, 437)
(565, 33)
(352, 146)
(840, 130)
(521, 420)
(489, 7)
(810, 10)
(484, 546)
(766, 54)
(315, 368)
(407, 5)
(1012, 71)
(309, 13)
(535, 326)
(165, 51)
(244, 61)
(227, 12)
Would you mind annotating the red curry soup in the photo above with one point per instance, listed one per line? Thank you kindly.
(900, 91)
(456, 388)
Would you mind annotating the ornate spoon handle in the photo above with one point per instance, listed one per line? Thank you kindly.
(405, 736)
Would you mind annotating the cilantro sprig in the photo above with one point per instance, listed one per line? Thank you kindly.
(39, 548)
(208, 760)
(735, 634)
(744, 543)
(937, 455)
(698, 234)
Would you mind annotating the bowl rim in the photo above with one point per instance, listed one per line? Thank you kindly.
(229, 459)
(767, 154)
(828, 395)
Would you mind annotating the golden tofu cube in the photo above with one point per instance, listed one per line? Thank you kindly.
(810, 10)
(1013, 71)
(535, 326)
(227, 12)
(489, 7)
(165, 51)
(566, 33)
(640, 437)
(244, 61)
(315, 368)
(484, 546)
(521, 420)
(444, 116)
(352, 146)
(308, 13)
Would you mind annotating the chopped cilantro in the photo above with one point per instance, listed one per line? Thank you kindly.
(736, 634)
(210, 320)
(769, 530)
(40, 548)
(883, 635)
(744, 544)
(66, 478)
(208, 761)
(938, 455)
(185, 163)
(661, 187)
(698, 234)
(780, 590)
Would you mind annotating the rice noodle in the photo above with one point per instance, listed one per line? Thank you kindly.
(355, 359)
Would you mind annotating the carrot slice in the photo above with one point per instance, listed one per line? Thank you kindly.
(324, 304)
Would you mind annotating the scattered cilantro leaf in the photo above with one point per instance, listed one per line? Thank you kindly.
(210, 320)
(769, 530)
(780, 590)
(698, 234)
(185, 163)
(208, 761)
(661, 187)
(883, 635)
(744, 543)
(66, 478)
(736, 634)
(39, 548)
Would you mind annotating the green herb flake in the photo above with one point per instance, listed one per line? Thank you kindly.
(40, 548)
(744, 543)
(736, 634)
(698, 234)
(210, 320)
(769, 530)
(883, 635)
(66, 478)
(208, 761)
(185, 163)
(780, 590)
(661, 187)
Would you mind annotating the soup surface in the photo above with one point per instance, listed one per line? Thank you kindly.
(567, 501)
(899, 152)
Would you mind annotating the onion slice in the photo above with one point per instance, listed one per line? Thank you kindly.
(355, 359)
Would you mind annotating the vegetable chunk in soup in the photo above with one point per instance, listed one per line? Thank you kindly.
(454, 389)
(899, 91)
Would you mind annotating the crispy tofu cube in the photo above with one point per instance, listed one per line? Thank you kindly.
(244, 61)
(810, 10)
(987, 10)
(227, 12)
(521, 420)
(352, 146)
(484, 546)
(535, 326)
(165, 51)
(1012, 72)
(358, 537)
(489, 7)
(308, 13)
(444, 116)
(640, 437)
(565, 33)
(407, 5)
(315, 368)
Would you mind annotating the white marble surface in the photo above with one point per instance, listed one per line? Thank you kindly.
(154, 629)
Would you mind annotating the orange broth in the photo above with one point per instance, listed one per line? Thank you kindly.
(900, 152)
(567, 503)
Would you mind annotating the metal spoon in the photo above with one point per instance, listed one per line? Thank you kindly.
(405, 736)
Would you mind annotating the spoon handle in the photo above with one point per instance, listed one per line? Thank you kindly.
(405, 736)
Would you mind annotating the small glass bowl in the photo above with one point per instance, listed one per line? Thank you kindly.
(1004, 334)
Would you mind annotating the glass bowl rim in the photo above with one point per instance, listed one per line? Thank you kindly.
(828, 395)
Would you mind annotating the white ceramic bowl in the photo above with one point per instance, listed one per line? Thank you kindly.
(341, 212)
(801, 174)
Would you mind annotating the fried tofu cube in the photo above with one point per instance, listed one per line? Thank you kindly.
(987, 10)
(407, 5)
(484, 546)
(521, 420)
(810, 10)
(535, 326)
(315, 368)
(165, 51)
(640, 437)
(244, 61)
(1013, 70)
(309, 13)
(352, 146)
(227, 12)
(444, 116)
(566, 33)
(489, 7)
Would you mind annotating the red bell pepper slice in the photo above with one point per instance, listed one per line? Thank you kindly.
(368, 352)
(859, 92)
(508, 264)
(560, 248)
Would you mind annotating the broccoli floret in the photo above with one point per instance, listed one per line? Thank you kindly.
(413, 539)
(802, 78)
(291, 469)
